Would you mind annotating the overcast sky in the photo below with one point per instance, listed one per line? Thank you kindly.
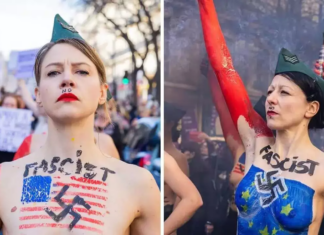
(28, 25)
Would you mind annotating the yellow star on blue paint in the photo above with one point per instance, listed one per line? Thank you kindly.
(246, 195)
(286, 209)
(274, 231)
(250, 224)
(244, 208)
(264, 231)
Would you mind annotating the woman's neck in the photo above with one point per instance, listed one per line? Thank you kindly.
(291, 142)
(67, 140)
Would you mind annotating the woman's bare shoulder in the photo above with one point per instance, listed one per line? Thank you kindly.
(132, 174)
(103, 137)
(21, 161)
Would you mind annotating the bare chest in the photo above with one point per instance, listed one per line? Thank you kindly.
(72, 200)
(303, 167)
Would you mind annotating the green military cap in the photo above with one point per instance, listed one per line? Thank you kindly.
(62, 30)
(288, 62)
(172, 113)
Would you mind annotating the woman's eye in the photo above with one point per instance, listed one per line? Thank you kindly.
(269, 92)
(284, 92)
(52, 74)
(82, 72)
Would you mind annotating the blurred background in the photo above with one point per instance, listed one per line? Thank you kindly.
(125, 33)
(255, 31)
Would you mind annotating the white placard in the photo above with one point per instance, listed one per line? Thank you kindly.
(25, 64)
(12, 63)
(15, 126)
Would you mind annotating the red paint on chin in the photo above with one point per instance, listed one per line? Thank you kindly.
(231, 84)
(14, 209)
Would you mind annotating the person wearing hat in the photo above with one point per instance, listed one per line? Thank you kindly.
(282, 189)
(69, 186)
(181, 197)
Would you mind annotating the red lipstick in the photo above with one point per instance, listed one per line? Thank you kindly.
(271, 113)
(67, 97)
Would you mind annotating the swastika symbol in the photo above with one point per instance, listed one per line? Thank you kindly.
(270, 184)
(68, 209)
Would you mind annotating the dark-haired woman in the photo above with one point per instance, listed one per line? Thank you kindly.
(282, 190)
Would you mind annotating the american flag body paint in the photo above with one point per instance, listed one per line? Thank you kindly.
(64, 201)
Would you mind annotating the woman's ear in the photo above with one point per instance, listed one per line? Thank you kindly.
(38, 99)
(312, 109)
(103, 93)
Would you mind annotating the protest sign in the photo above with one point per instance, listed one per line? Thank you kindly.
(22, 62)
(15, 126)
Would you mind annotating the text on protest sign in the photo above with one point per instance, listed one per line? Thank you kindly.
(25, 64)
(15, 126)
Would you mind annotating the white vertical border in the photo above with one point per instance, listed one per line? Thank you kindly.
(162, 116)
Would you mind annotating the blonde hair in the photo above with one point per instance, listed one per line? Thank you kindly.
(82, 46)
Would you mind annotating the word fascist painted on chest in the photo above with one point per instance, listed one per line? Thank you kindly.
(300, 167)
(58, 164)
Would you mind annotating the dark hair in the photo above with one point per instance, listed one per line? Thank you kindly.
(175, 133)
(172, 113)
(312, 92)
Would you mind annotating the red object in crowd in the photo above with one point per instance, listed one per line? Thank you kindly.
(145, 161)
(194, 136)
(24, 148)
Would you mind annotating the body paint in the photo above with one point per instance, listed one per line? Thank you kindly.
(302, 167)
(91, 174)
(67, 209)
(270, 204)
(79, 152)
(43, 165)
(82, 198)
(229, 80)
(105, 175)
(61, 169)
(56, 166)
(53, 166)
(240, 165)
(36, 189)
(227, 124)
